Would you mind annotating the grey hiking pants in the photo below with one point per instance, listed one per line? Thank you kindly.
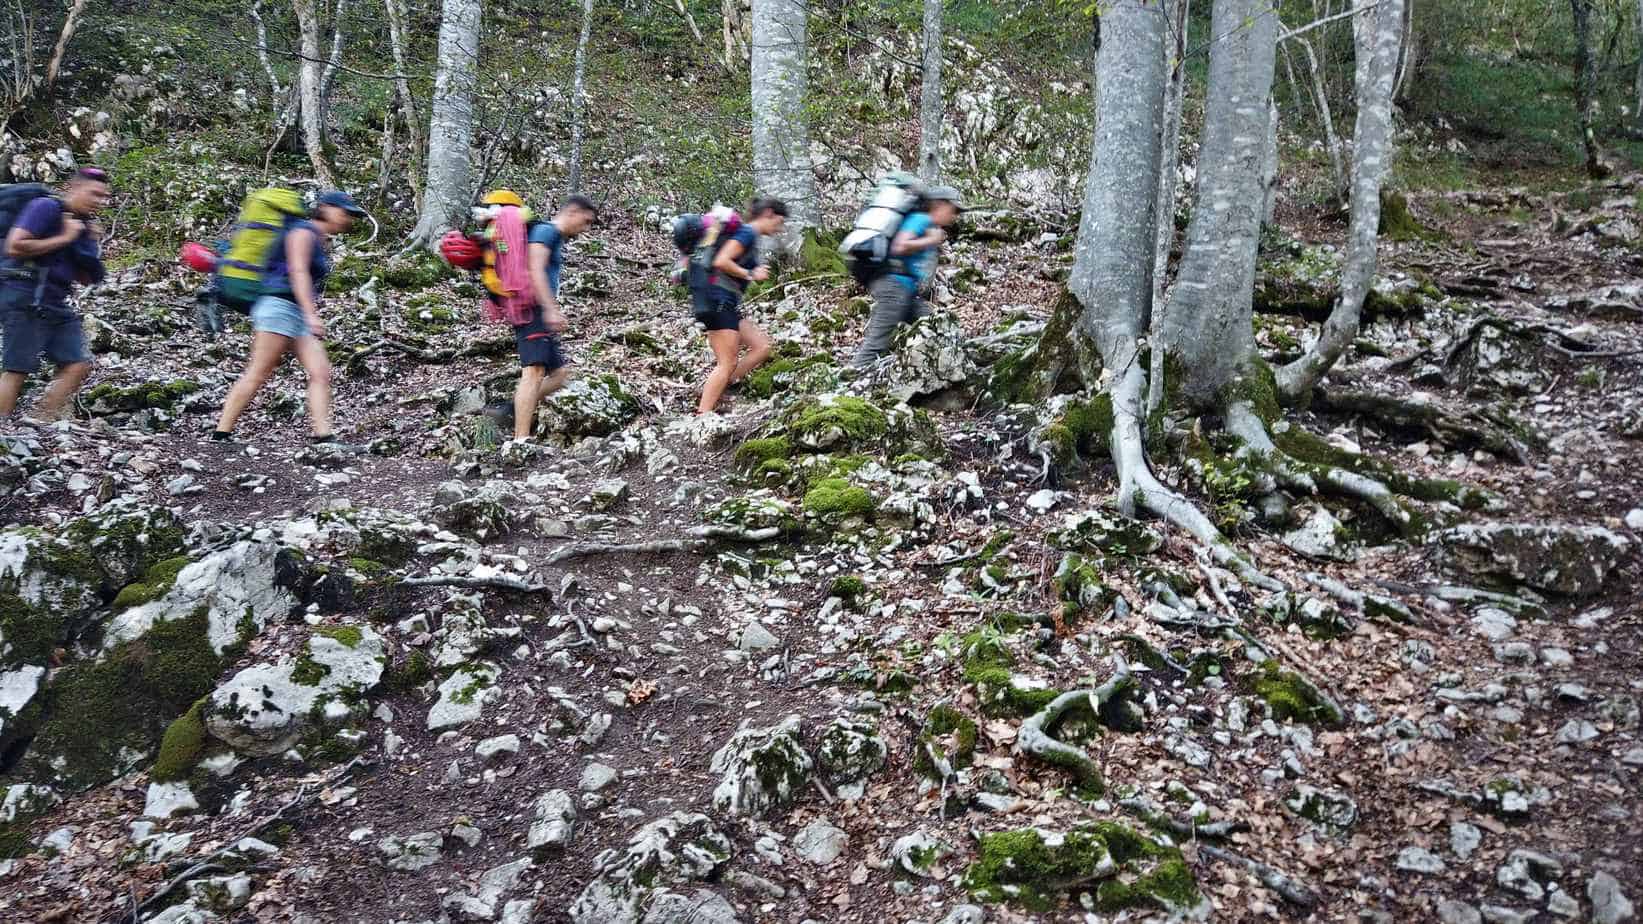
(893, 305)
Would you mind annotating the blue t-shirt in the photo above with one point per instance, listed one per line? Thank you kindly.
(548, 235)
(728, 289)
(916, 267)
(276, 278)
(43, 218)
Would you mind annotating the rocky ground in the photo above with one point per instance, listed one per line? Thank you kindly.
(860, 649)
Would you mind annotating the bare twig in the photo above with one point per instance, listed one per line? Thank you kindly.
(499, 582)
(698, 540)
(1293, 890)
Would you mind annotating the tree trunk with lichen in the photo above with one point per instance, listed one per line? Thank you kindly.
(1207, 325)
(310, 83)
(450, 128)
(781, 136)
(1586, 86)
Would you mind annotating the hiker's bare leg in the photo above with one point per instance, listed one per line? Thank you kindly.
(266, 352)
(64, 384)
(758, 347)
(725, 344)
(11, 387)
(525, 398)
(552, 382)
(311, 353)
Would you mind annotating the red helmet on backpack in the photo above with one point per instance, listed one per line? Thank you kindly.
(197, 257)
(461, 251)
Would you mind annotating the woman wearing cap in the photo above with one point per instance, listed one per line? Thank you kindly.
(285, 318)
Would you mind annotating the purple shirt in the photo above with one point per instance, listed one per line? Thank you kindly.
(43, 218)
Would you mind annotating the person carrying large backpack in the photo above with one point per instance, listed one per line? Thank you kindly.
(236, 276)
(51, 243)
(911, 261)
(286, 319)
(716, 297)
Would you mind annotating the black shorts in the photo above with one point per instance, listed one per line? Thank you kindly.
(538, 346)
(720, 317)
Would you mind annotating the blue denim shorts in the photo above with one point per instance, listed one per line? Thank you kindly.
(279, 316)
(29, 331)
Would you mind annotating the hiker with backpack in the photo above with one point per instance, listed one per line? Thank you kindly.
(236, 275)
(51, 243)
(520, 261)
(895, 279)
(724, 261)
(286, 319)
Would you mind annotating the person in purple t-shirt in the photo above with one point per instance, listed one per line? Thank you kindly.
(53, 244)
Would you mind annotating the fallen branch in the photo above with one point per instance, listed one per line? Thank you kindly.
(499, 582)
(1371, 605)
(1293, 890)
(699, 539)
(1034, 740)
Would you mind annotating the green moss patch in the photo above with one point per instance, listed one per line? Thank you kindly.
(181, 746)
(756, 451)
(1291, 697)
(986, 664)
(837, 421)
(155, 583)
(835, 499)
(1033, 868)
(97, 712)
(1081, 429)
(951, 734)
(109, 398)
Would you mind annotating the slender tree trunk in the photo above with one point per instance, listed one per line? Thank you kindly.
(1332, 141)
(275, 90)
(1207, 325)
(310, 79)
(781, 135)
(930, 101)
(1175, 51)
(405, 99)
(1408, 52)
(578, 99)
(334, 62)
(690, 21)
(1586, 86)
(737, 23)
(1637, 85)
(450, 126)
(1377, 39)
(71, 24)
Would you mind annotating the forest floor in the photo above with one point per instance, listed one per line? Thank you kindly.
(1486, 766)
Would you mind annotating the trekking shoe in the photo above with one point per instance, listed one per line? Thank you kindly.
(501, 412)
(208, 317)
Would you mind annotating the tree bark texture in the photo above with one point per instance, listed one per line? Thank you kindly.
(310, 84)
(404, 98)
(579, 100)
(781, 135)
(450, 125)
(1586, 85)
(1207, 325)
(71, 24)
(930, 99)
(737, 25)
(1378, 37)
(1178, 13)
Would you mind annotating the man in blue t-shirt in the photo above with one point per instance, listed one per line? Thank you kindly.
(53, 244)
(541, 358)
(913, 256)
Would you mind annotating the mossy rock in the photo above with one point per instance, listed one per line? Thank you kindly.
(1076, 427)
(590, 406)
(182, 745)
(1123, 868)
(1095, 531)
(102, 716)
(1291, 697)
(754, 452)
(790, 376)
(1079, 586)
(986, 665)
(109, 398)
(835, 422)
(154, 585)
(416, 270)
(850, 588)
(387, 547)
(835, 501)
(759, 510)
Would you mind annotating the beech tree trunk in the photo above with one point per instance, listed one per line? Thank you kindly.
(405, 99)
(450, 126)
(71, 24)
(1207, 326)
(1178, 14)
(781, 136)
(578, 99)
(1377, 36)
(1586, 85)
(310, 91)
(930, 101)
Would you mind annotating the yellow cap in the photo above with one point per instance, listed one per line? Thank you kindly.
(504, 197)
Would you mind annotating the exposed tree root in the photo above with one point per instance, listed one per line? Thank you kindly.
(1033, 738)
(1293, 890)
(1312, 478)
(700, 539)
(1424, 415)
(1154, 816)
(1373, 606)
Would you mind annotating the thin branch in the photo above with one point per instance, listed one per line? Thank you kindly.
(699, 540)
(500, 582)
(1317, 23)
(1293, 890)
